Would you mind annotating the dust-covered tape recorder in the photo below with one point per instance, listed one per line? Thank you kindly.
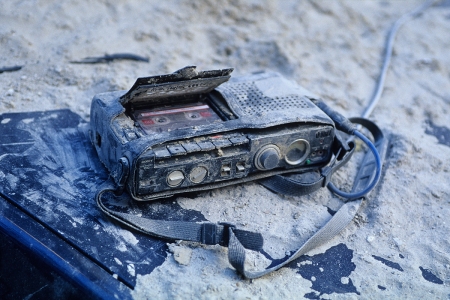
(190, 131)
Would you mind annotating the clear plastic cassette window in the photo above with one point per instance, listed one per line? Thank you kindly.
(175, 117)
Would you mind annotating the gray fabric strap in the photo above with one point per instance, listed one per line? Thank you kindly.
(205, 233)
(236, 252)
(227, 235)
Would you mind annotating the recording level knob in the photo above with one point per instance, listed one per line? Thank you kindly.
(198, 174)
(267, 157)
(175, 178)
(297, 152)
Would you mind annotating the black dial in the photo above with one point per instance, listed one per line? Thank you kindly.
(267, 158)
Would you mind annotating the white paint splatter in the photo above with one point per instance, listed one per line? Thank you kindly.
(122, 247)
(131, 270)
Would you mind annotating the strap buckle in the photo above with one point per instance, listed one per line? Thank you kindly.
(226, 232)
(227, 225)
(213, 234)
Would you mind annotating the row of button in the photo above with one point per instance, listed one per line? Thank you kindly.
(190, 147)
(199, 174)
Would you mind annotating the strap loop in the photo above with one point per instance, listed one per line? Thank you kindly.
(209, 234)
(326, 174)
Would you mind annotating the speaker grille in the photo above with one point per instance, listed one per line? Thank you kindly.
(253, 102)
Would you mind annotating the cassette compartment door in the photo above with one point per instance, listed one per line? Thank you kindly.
(185, 82)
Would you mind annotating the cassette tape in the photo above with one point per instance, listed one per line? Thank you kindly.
(167, 119)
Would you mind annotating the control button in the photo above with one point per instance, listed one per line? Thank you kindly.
(297, 152)
(240, 167)
(222, 143)
(161, 153)
(131, 135)
(267, 157)
(206, 146)
(225, 170)
(191, 147)
(239, 140)
(198, 174)
(176, 150)
(175, 178)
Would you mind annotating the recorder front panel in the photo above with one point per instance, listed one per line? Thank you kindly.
(229, 156)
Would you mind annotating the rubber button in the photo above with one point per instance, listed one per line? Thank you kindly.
(222, 143)
(176, 150)
(206, 146)
(191, 147)
(239, 140)
(161, 153)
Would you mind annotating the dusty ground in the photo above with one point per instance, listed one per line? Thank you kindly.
(333, 49)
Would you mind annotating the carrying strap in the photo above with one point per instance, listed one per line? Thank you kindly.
(347, 212)
(238, 240)
(205, 233)
(236, 253)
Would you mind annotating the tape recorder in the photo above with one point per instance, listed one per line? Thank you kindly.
(197, 130)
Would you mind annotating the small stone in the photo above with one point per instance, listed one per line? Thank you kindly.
(398, 241)
(10, 92)
(181, 254)
(435, 194)
(370, 238)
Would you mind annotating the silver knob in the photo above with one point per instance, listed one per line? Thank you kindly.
(198, 174)
(175, 178)
(297, 152)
